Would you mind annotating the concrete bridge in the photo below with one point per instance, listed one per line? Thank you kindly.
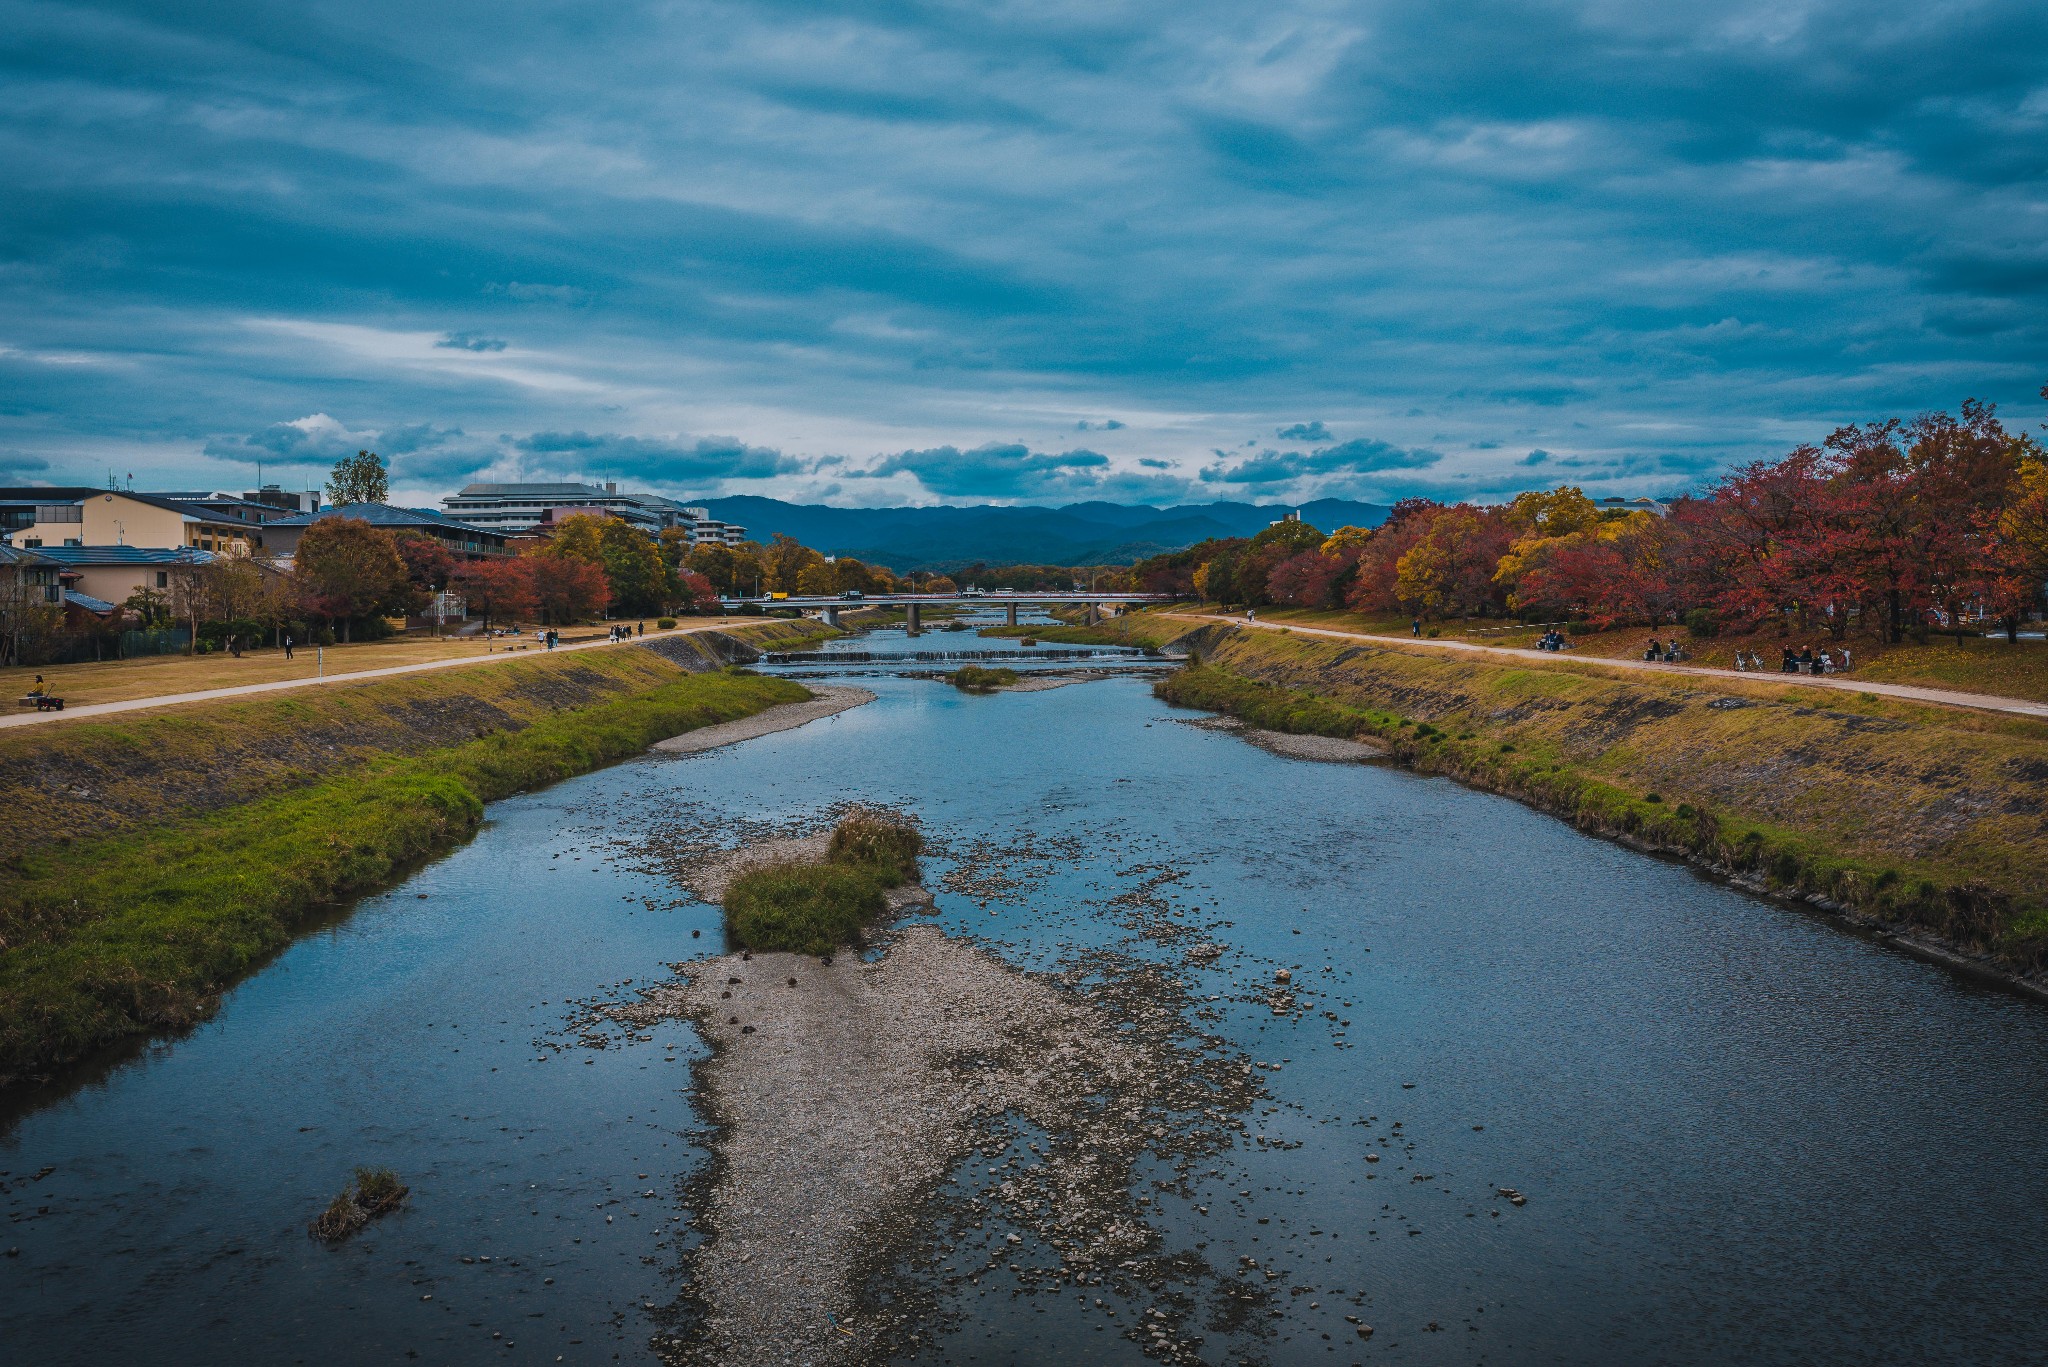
(913, 604)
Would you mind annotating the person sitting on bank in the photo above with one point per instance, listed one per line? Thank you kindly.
(1790, 664)
(1806, 661)
(1655, 650)
(38, 691)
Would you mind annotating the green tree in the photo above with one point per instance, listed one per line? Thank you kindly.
(360, 478)
(640, 582)
(818, 581)
(152, 607)
(786, 560)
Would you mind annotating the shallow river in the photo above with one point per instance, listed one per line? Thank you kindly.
(1742, 1135)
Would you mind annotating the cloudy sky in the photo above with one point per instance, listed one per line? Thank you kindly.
(1158, 251)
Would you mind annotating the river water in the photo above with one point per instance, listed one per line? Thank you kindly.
(1742, 1135)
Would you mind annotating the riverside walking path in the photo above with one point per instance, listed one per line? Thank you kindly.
(1941, 697)
(101, 709)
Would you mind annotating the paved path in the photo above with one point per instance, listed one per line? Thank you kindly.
(1944, 697)
(101, 709)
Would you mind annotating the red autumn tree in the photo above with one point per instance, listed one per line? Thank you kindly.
(499, 588)
(346, 570)
(694, 592)
(566, 589)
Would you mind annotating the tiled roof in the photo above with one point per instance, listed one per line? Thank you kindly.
(70, 556)
(22, 555)
(384, 515)
(88, 602)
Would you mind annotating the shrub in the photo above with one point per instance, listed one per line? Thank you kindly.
(1702, 623)
(1653, 797)
(883, 843)
(665, 624)
(975, 678)
(802, 908)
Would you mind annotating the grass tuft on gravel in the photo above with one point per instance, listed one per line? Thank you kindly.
(975, 679)
(809, 908)
(374, 1192)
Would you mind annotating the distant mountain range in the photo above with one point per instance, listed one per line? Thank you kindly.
(946, 538)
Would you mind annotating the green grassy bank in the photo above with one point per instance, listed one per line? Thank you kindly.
(132, 924)
(1929, 820)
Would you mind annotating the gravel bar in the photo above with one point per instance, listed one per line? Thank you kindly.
(826, 700)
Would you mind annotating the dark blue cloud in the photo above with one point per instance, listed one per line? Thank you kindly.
(655, 461)
(1303, 431)
(1345, 462)
(998, 470)
(471, 341)
(1539, 456)
(858, 230)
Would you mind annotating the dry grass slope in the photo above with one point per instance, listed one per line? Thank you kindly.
(1925, 816)
(208, 832)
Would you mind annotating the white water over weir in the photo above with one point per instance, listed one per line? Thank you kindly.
(799, 657)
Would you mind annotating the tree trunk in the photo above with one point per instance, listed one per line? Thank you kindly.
(1895, 611)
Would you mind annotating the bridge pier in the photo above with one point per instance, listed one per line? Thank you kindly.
(1010, 613)
(912, 621)
(1094, 616)
(831, 617)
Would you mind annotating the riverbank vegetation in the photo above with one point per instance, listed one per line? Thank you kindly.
(1924, 818)
(813, 908)
(171, 853)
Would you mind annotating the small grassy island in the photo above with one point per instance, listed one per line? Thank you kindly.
(975, 679)
(814, 908)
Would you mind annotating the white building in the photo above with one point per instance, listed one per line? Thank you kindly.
(521, 509)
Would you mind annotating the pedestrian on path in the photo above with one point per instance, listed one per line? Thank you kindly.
(1415, 628)
(287, 645)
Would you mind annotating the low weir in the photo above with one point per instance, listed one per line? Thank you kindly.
(863, 657)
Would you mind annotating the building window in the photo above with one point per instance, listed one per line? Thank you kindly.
(163, 579)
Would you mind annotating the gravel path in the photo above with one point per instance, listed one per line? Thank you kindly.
(1945, 697)
(826, 701)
